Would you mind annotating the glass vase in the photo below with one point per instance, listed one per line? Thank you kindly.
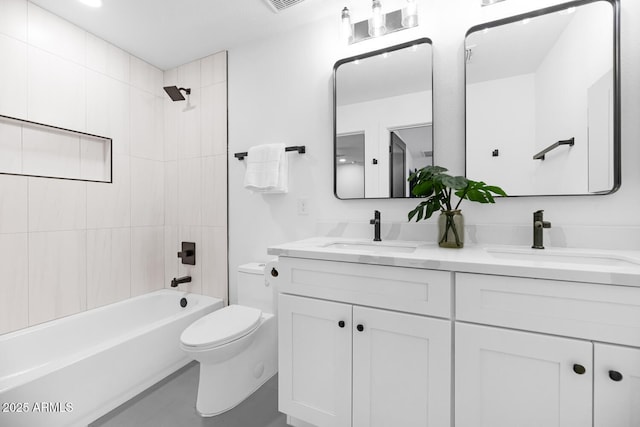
(451, 229)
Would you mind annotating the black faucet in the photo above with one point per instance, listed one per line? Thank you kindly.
(538, 225)
(175, 282)
(376, 222)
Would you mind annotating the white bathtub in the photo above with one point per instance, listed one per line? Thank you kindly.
(70, 371)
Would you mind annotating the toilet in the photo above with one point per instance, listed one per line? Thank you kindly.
(236, 345)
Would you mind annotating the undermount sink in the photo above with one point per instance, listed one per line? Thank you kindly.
(376, 247)
(563, 256)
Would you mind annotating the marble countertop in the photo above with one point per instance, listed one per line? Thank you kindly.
(579, 265)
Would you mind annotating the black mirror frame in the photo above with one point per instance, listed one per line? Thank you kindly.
(617, 121)
(423, 40)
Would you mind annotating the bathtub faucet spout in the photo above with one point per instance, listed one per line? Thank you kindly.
(175, 282)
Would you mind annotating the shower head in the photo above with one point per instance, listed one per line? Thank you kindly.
(174, 92)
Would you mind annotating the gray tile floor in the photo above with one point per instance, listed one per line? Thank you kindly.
(171, 403)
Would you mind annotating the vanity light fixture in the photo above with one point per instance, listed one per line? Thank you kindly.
(91, 3)
(380, 23)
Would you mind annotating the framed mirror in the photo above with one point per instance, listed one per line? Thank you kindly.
(543, 101)
(383, 120)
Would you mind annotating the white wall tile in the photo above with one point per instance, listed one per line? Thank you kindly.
(57, 94)
(143, 126)
(214, 69)
(13, 204)
(55, 35)
(50, 152)
(143, 75)
(109, 205)
(57, 275)
(158, 121)
(190, 192)
(189, 75)
(170, 77)
(96, 53)
(118, 64)
(108, 266)
(13, 18)
(97, 103)
(214, 119)
(10, 146)
(214, 269)
(214, 191)
(56, 204)
(171, 249)
(189, 126)
(14, 287)
(95, 159)
(13, 76)
(147, 259)
(191, 234)
(171, 193)
(147, 192)
(119, 116)
(171, 117)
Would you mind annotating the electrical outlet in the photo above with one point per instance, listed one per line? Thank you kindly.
(303, 206)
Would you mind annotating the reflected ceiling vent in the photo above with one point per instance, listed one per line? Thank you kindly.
(278, 5)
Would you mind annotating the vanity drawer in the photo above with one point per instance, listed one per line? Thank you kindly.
(583, 310)
(410, 290)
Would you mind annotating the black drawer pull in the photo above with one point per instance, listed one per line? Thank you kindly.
(360, 328)
(341, 323)
(615, 376)
(579, 369)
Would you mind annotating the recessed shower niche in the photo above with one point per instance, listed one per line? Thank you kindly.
(35, 149)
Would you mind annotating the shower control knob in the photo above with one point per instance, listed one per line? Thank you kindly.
(360, 328)
(274, 272)
(579, 369)
(615, 376)
(341, 323)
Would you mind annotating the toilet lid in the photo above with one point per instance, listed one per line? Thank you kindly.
(221, 326)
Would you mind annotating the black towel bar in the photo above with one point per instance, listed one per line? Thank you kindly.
(301, 149)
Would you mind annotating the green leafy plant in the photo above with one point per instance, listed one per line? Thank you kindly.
(438, 187)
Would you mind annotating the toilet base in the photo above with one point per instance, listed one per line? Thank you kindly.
(224, 385)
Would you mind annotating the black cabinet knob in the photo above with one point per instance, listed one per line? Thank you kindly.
(360, 328)
(579, 369)
(341, 323)
(274, 272)
(615, 376)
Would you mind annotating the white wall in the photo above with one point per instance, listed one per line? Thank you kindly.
(67, 246)
(280, 90)
(561, 98)
(509, 126)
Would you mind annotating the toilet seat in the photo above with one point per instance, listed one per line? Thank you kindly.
(221, 327)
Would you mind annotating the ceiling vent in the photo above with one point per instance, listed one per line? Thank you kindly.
(278, 5)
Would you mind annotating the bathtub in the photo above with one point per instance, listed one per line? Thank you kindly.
(71, 371)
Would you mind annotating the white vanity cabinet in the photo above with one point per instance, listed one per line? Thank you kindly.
(356, 352)
(537, 353)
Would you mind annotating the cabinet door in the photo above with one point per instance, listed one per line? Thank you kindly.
(314, 360)
(506, 378)
(616, 386)
(401, 370)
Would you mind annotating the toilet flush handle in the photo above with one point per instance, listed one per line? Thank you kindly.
(274, 272)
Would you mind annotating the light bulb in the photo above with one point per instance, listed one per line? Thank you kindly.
(377, 21)
(410, 14)
(347, 28)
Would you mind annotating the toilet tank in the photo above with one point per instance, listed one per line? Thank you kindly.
(253, 288)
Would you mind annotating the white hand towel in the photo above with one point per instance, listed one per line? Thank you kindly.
(267, 169)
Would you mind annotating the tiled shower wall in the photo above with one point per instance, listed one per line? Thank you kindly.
(196, 174)
(69, 246)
